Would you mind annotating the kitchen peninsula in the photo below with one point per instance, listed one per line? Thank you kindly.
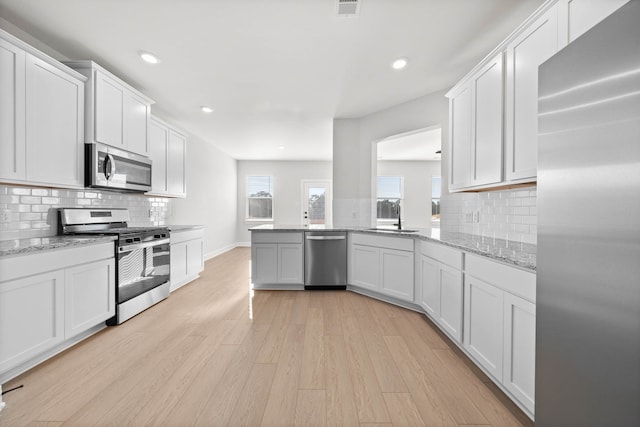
(479, 291)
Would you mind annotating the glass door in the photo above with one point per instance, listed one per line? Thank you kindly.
(316, 204)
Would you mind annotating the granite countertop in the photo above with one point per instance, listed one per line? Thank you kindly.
(27, 246)
(522, 255)
(178, 228)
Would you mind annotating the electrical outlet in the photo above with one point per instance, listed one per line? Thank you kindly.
(5, 216)
(476, 216)
(468, 217)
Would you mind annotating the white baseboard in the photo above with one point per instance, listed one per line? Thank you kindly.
(244, 244)
(219, 251)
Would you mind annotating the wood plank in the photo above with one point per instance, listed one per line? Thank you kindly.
(251, 403)
(270, 352)
(384, 366)
(281, 406)
(341, 406)
(312, 370)
(403, 409)
(432, 407)
(311, 409)
(367, 393)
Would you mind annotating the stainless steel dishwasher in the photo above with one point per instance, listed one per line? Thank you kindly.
(325, 260)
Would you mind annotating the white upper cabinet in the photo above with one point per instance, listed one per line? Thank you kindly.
(493, 111)
(487, 123)
(525, 53)
(578, 16)
(116, 113)
(41, 118)
(459, 137)
(176, 164)
(55, 128)
(12, 127)
(167, 149)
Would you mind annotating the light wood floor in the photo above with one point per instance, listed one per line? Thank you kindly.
(214, 354)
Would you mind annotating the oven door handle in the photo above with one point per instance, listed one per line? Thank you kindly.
(127, 248)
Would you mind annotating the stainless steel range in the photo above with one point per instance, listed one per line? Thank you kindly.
(142, 254)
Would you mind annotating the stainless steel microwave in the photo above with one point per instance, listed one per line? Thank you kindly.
(114, 169)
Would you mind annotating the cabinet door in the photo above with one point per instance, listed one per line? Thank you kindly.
(176, 164)
(25, 333)
(159, 146)
(520, 349)
(486, 150)
(264, 263)
(90, 296)
(524, 54)
(109, 111)
(136, 121)
(483, 324)
(450, 315)
(178, 258)
(365, 267)
(397, 273)
(55, 125)
(12, 117)
(579, 16)
(290, 263)
(195, 259)
(459, 138)
(430, 286)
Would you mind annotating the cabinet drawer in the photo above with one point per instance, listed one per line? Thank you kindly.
(444, 254)
(398, 243)
(183, 236)
(511, 279)
(269, 237)
(36, 263)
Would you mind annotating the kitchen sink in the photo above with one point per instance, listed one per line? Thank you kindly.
(393, 230)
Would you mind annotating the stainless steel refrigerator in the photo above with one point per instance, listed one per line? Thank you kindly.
(588, 275)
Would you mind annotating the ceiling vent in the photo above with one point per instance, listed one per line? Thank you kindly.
(347, 7)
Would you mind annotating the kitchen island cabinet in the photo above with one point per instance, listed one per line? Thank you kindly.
(50, 300)
(41, 118)
(277, 260)
(187, 254)
(382, 264)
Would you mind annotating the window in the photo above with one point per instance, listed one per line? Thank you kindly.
(259, 198)
(389, 197)
(436, 188)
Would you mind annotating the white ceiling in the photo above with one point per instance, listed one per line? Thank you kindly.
(276, 71)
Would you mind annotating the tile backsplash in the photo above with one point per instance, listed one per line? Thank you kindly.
(28, 212)
(507, 214)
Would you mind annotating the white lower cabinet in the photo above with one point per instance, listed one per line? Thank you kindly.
(440, 286)
(32, 317)
(89, 296)
(187, 256)
(484, 324)
(500, 321)
(47, 299)
(382, 264)
(520, 349)
(277, 258)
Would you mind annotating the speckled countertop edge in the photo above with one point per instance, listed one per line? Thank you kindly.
(9, 248)
(521, 255)
(178, 228)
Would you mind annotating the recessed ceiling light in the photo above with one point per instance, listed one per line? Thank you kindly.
(399, 63)
(149, 57)
(206, 109)
(281, 147)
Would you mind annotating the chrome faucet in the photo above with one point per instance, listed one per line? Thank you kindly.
(399, 224)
